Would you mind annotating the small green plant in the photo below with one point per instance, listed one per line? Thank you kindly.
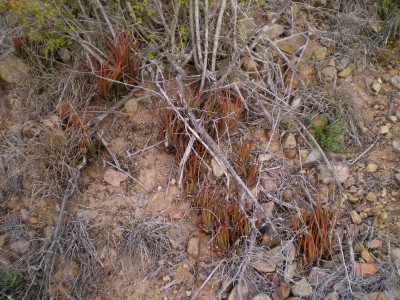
(390, 11)
(329, 136)
(10, 279)
(314, 233)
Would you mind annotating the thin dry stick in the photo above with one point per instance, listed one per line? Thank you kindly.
(207, 279)
(216, 36)
(350, 242)
(192, 33)
(205, 62)
(184, 159)
(100, 6)
(197, 24)
(129, 175)
(365, 152)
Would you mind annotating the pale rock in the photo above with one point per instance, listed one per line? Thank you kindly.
(329, 72)
(332, 296)
(275, 31)
(384, 193)
(397, 178)
(366, 256)
(239, 293)
(371, 197)
(384, 129)
(282, 292)
(296, 102)
(384, 215)
(86, 214)
(249, 65)
(361, 269)
(375, 244)
(287, 195)
(20, 246)
(268, 208)
(313, 158)
(379, 296)
(352, 198)
(266, 157)
(396, 146)
(395, 81)
(261, 297)
(376, 87)
(290, 272)
(13, 70)
(114, 177)
(302, 288)
(292, 43)
(372, 168)
(193, 246)
(2, 240)
(320, 53)
(393, 119)
(65, 55)
(290, 141)
(263, 263)
(346, 72)
(131, 106)
(269, 185)
(217, 170)
(355, 217)
(317, 276)
(325, 175)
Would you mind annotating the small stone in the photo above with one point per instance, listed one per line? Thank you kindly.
(384, 129)
(287, 195)
(275, 31)
(325, 175)
(302, 288)
(131, 106)
(353, 189)
(188, 293)
(320, 53)
(371, 197)
(395, 81)
(376, 87)
(339, 287)
(379, 296)
(292, 43)
(86, 214)
(395, 255)
(13, 71)
(313, 158)
(355, 217)
(375, 244)
(173, 181)
(269, 185)
(345, 72)
(20, 247)
(290, 141)
(65, 55)
(269, 208)
(366, 256)
(261, 297)
(166, 278)
(352, 198)
(2, 240)
(296, 102)
(384, 215)
(384, 193)
(372, 168)
(332, 296)
(114, 177)
(393, 119)
(193, 246)
(249, 65)
(396, 146)
(282, 292)
(217, 170)
(264, 157)
(317, 275)
(361, 269)
(329, 72)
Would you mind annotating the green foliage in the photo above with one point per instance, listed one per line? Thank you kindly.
(390, 10)
(329, 136)
(10, 280)
(43, 21)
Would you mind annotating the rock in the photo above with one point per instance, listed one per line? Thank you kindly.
(302, 288)
(320, 53)
(290, 141)
(366, 256)
(239, 293)
(282, 292)
(2, 240)
(275, 31)
(249, 65)
(355, 217)
(296, 102)
(261, 297)
(65, 55)
(131, 106)
(317, 276)
(114, 177)
(313, 158)
(20, 247)
(379, 296)
(352, 198)
(376, 87)
(292, 43)
(384, 130)
(346, 72)
(264, 157)
(372, 168)
(396, 146)
(287, 195)
(13, 71)
(332, 296)
(363, 270)
(329, 72)
(290, 272)
(86, 214)
(395, 81)
(268, 208)
(342, 172)
(269, 185)
(193, 246)
(397, 178)
(393, 119)
(217, 170)
(395, 255)
(371, 197)
(140, 199)
(375, 244)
